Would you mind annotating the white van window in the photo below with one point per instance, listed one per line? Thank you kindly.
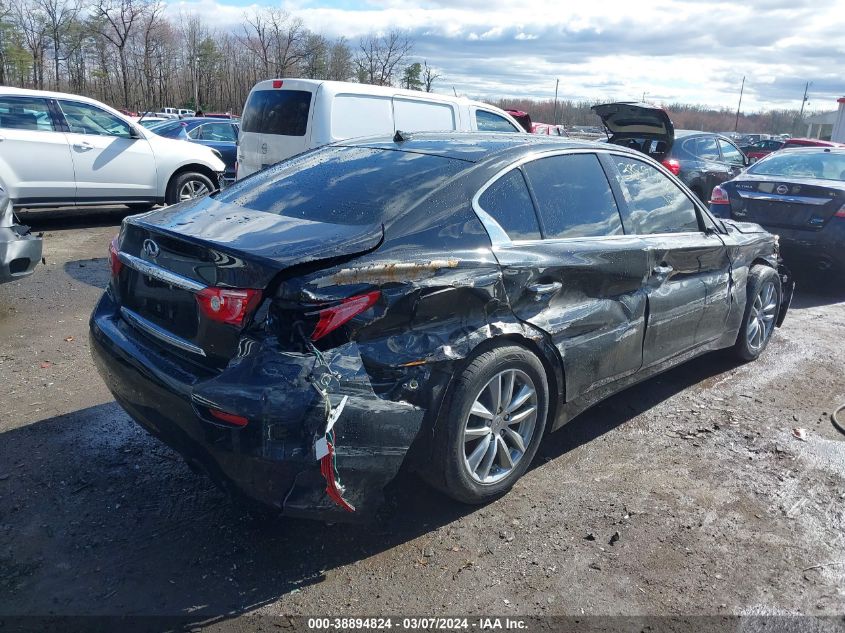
(361, 115)
(489, 122)
(410, 115)
(282, 112)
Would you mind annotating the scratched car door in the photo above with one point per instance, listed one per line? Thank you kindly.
(571, 270)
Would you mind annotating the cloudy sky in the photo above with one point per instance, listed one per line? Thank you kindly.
(693, 51)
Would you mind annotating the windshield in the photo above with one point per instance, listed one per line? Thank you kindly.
(344, 185)
(810, 164)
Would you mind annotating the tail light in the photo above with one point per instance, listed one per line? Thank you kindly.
(228, 418)
(333, 317)
(278, 83)
(114, 258)
(719, 196)
(840, 213)
(228, 305)
(672, 165)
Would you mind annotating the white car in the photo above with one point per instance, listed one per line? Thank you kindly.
(62, 149)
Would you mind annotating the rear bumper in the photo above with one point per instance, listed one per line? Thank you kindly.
(823, 249)
(20, 253)
(272, 459)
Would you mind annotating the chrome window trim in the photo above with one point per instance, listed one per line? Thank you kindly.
(756, 195)
(160, 333)
(157, 272)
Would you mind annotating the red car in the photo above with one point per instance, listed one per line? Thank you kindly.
(810, 142)
(757, 150)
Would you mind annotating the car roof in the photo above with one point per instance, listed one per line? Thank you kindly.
(476, 146)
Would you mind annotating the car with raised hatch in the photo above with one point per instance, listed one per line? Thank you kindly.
(434, 300)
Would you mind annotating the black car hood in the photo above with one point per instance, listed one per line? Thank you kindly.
(628, 119)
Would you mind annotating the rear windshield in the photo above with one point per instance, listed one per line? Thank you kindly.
(343, 185)
(282, 112)
(170, 129)
(807, 163)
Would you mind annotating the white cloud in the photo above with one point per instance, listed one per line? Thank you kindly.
(673, 50)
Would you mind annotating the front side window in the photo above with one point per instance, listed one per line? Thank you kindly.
(731, 154)
(574, 198)
(489, 122)
(507, 200)
(656, 204)
(84, 118)
(25, 113)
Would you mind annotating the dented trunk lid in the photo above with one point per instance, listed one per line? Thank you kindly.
(171, 254)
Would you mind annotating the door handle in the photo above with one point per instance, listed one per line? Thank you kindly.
(84, 145)
(545, 289)
(663, 269)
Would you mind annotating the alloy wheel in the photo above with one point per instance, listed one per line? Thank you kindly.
(761, 320)
(500, 426)
(192, 189)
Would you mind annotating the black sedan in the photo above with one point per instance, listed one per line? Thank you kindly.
(798, 194)
(701, 160)
(220, 135)
(437, 299)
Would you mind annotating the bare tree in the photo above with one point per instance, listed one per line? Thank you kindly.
(341, 66)
(31, 23)
(379, 56)
(428, 77)
(59, 14)
(116, 21)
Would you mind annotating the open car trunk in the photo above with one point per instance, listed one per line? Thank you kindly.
(640, 126)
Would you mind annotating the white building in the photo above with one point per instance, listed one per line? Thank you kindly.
(839, 125)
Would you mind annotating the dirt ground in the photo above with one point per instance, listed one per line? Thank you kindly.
(687, 494)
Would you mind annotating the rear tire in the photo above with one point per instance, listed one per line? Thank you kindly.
(490, 426)
(187, 186)
(763, 292)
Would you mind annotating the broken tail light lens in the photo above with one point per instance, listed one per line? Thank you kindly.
(672, 165)
(228, 305)
(333, 317)
(719, 196)
(114, 258)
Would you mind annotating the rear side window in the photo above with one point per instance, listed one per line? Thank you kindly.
(282, 112)
(25, 113)
(488, 122)
(573, 196)
(361, 115)
(703, 147)
(508, 202)
(344, 185)
(410, 115)
(657, 204)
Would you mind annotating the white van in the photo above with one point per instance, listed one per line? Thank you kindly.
(284, 117)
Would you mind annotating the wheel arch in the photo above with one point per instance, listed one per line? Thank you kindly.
(189, 167)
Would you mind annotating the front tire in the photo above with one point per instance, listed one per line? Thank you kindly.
(187, 186)
(491, 425)
(761, 310)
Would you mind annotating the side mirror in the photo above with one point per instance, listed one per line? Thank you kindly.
(134, 132)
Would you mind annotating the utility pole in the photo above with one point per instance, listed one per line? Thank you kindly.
(197, 83)
(739, 105)
(644, 94)
(554, 117)
(805, 99)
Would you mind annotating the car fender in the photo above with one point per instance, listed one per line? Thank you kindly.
(172, 155)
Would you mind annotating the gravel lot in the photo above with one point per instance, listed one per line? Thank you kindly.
(687, 494)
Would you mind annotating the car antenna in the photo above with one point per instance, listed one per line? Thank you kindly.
(401, 137)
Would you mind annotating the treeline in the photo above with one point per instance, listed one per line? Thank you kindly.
(129, 54)
(684, 116)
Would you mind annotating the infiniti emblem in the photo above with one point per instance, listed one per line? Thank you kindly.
(151, 249)
(782, 189)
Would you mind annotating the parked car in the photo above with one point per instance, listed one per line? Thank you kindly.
(810, 142)
(283, 117)
(315, 320)
(523, 118)
(150, 121)
(20, 250)
(757, 150)
(218, 134)
(185, 113)
(548, 129)
(798, 194)
(64, 149)
(701, 160)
